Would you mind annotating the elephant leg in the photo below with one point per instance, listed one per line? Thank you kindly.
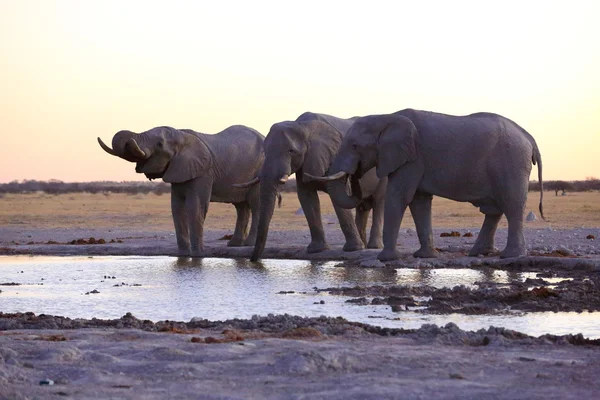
(196, 204)
(515, 245)
(241, 225)
(375, 236)
(353, 239)
(401, 188)
(485, 240)
(420, 208)
(254, 203)
(309, 200)
(180, 221)
(361, 219)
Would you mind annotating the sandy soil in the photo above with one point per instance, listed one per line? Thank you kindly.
(292, 357)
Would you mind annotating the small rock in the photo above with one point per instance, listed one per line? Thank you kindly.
(300, 211)
(48, 382)
(591, 237)
(531, 217)
(468, 234)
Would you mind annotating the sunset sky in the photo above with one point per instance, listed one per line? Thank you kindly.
(74, 70)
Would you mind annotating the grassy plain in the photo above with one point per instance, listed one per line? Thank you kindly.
(153, 212)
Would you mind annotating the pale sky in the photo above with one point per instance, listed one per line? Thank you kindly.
(74, 70)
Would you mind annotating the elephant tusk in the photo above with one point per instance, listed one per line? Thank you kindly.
(336, 176)
(284, 178)
(246, 184)
(135, 149)
(106, 148)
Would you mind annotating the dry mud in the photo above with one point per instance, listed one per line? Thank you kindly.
(285, 357)
(292, 357)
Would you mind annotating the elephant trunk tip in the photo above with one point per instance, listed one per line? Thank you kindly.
(106, 148)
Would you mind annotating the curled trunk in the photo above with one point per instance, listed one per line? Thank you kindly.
(268, 194)
(337, 190)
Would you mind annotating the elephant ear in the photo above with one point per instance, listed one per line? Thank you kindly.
(396, 146)
(323, 144)
(191, 160)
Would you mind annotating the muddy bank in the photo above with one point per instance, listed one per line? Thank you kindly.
(577, 291)
(289, 326)
(567, 248)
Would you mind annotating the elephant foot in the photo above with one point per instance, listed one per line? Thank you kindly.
(183, 252)
(425, 253)
(197, 252)
(486, 251)
(353, 246)
(317, 247)
(388, 255)
(511, 253)
(235, 242)
(249, 242)
(375, 244)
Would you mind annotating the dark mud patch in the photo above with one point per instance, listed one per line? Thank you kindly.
(533, 295)
(292, 327)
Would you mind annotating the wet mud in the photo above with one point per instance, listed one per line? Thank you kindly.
(287, 327)
(565, 291)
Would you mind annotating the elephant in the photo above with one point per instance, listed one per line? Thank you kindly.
(481, 158)
(308, 145)
(200, 168)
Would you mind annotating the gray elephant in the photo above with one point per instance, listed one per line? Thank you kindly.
(482, 158)
(201, 168)
(308, 145)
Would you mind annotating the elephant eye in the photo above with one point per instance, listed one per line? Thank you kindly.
(291, 151)
(354, 146)
(160, 144)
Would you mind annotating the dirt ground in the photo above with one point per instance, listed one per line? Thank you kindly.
(291, 357)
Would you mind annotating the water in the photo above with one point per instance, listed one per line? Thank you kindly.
(160, 288)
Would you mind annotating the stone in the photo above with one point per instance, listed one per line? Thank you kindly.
(300, 211)
(531, 217)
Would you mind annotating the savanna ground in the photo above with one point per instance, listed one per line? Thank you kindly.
(293, 357)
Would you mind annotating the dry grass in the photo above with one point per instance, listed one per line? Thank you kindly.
(153, 212)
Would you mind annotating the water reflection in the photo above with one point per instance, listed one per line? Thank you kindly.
(182, 288)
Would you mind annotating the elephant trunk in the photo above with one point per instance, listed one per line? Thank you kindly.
(268, 195)
(337, 190)
(127, 145)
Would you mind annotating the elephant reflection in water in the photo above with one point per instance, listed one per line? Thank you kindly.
(200, 168)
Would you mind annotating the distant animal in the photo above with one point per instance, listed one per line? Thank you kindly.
(308, 145)
(482, 158)
(200, 168)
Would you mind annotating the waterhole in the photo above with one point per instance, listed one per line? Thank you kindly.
(166, 288)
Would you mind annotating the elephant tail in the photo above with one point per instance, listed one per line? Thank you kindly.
(537, 159)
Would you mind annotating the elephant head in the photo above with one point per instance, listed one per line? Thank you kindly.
(291, 147)
(171, 154)
(383, 141)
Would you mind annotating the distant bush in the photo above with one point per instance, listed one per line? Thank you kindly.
(54, 187)
(58, 187)
(567, 186)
